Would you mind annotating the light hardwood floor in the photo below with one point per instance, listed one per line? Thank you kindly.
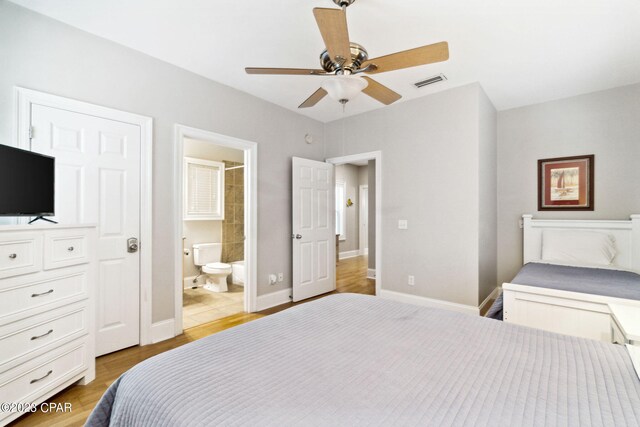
(351, 277)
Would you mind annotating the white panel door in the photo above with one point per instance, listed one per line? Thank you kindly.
(98, 181)
(313, 230)
(364, 218)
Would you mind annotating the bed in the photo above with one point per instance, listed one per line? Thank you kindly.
(573, 299)
(361, 360)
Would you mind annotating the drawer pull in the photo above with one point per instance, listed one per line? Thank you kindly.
(43, 335)
(41, 378)
(13, 256)
(50, 291)
(70, 248)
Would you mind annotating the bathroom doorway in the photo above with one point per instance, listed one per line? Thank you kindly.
(214, 231)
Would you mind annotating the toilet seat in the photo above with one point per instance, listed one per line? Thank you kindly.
(216, 267)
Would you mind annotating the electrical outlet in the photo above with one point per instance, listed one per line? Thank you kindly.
(280, 277)
(403, 224)
(272, 279)
(411, 281)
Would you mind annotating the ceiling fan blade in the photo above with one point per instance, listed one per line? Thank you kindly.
(380, 92)
(429, 54)
(287, 71)
(314, 99)
(333, 27)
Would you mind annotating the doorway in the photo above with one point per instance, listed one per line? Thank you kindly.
(215, 227)
(358, 180)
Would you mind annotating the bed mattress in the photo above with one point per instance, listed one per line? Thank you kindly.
(361, 360)
(586, 280)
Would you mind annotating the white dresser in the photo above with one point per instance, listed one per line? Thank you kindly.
(47, 282)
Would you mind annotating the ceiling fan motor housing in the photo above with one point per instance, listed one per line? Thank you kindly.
(358, 56)
(344, 3)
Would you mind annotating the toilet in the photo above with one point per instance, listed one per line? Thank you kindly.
(207, 257)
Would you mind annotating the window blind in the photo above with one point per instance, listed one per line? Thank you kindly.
(204, 197)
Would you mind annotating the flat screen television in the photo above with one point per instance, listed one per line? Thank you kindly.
(26, 183)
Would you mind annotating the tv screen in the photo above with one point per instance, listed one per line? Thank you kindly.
(26, 182)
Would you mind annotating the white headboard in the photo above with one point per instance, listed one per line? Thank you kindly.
(626, 233)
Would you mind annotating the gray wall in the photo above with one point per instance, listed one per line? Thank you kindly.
(430, 170)
(363, 175)
(488, 204)
(605, 123)
(42, 54)
(211, 151)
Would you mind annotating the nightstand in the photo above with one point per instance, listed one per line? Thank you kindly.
(625, 324)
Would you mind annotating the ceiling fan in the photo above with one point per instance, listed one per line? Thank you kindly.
(344, 60)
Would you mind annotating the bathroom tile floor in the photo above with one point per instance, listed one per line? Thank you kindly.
(203, 306)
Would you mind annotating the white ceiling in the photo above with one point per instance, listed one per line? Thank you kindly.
(521, 51)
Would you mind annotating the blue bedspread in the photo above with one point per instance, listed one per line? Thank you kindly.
(359, 360)
(596, 281)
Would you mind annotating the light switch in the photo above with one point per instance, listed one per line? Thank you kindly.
(403, 224)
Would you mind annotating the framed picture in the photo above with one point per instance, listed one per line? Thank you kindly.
(566, 183)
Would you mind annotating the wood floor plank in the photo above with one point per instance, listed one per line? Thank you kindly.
(350, 277)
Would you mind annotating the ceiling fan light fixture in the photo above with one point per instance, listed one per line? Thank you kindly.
(344, 88)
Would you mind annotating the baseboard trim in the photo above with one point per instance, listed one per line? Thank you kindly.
(163, 330)
(371, 273)
(428, 302)
(187, 282)
(364, 251)
(273, 299)
(349, 254)
(493, 295)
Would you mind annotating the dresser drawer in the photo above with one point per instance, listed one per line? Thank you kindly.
(20, 297)
(20, 254)
(63, 248)
(20, 385)
(34, 334)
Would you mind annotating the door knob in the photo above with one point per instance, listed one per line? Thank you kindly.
(132, 245)
(296, 236)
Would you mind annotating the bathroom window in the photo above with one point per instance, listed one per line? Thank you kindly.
(203, 189)
(341, 197)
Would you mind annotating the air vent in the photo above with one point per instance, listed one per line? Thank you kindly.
(431, 80)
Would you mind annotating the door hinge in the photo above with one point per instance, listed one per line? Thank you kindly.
(30, 132)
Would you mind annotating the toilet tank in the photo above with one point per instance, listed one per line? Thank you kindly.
(205, 253)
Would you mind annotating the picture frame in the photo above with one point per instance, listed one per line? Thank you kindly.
(566, 183)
